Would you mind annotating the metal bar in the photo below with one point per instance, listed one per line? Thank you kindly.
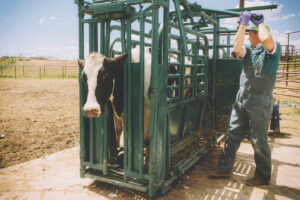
(123, 46)
(141, 96)
(128, 80)
(293, 81)
(289, 95)
(102, 37)
(290, 72)
(192, 160)
(287, 63)
(91, 142)
(82, 151)
(254, 8)
(222, 12)
(215, 57)
(288, 88)
(118, 182)
(105, 148)
(153, 103)
(107, 37)
(181, 27)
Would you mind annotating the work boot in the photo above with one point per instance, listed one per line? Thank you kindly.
(256, 182)
(217, 173)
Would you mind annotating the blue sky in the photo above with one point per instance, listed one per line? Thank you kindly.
(50, 28)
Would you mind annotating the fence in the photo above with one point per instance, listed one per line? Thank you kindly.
(39, 69)
(288, 76)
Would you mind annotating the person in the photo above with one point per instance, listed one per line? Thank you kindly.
(252, 109)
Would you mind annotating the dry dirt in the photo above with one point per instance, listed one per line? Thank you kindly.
(40, 117)
(37, 118)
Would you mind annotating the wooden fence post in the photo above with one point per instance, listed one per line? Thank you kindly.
(40, 72)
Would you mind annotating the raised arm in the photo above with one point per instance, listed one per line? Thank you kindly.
(239, 41)
(240, 36)
(263, 33)
(265, 37)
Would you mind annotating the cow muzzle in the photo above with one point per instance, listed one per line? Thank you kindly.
(92, 112)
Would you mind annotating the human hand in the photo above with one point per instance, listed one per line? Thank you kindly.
(245, 17)
(257, 18)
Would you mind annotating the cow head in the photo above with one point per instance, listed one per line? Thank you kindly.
(98, 75)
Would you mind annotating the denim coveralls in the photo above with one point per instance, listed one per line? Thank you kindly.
(252, 109)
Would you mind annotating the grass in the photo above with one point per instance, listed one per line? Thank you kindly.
(8, 61)
(39, 72)
(296, 111)
(291, 111)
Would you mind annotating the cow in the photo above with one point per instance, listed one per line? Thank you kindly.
(103, 78)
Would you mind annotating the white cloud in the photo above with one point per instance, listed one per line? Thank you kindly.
(53, 18)
(41, 21)
(288, 16)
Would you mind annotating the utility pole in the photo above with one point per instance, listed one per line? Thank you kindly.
(241, 4)
(287, 56)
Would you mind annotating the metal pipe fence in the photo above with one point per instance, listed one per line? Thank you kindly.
(290, 78)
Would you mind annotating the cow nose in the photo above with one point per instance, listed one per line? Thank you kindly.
(92, 112)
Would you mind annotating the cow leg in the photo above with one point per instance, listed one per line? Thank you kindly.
(146, 137)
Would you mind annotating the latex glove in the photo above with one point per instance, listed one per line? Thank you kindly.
(257, 18)
(245, 17)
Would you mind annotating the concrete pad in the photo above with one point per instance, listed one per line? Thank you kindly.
(52, 177)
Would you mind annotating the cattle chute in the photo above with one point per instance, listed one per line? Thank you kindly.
(188, 104)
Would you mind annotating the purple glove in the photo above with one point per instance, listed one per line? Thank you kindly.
(245, 17)
(257, 18)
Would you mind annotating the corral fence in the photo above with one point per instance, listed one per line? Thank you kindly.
(288, 75)
(39, 69)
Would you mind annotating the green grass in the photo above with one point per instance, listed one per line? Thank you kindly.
(292, 111)
(296, 111)
(36, 72)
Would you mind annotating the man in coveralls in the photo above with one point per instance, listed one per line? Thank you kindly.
(253, 105)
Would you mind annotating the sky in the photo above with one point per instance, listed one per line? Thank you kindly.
(49, 28)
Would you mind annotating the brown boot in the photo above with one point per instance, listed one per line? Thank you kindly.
(256, 182)
(217, 173)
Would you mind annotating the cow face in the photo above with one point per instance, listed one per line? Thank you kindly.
(98, 75)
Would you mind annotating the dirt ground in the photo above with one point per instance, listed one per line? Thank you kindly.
(40, 117)
(37, 118)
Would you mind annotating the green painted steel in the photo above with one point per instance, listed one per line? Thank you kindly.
(190, 94)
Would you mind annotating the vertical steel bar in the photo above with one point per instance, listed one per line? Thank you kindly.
(92, 136)
(141, 96)
(82, 152)
(181, 27)
(102, 32)
(228, 43)
(215, 56)
(128, 94)
(107, 37)
(153, 104)
(125, 130)
(163, 115)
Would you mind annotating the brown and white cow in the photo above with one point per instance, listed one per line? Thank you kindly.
(103, 78)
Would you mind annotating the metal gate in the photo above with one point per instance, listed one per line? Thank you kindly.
(182, 106)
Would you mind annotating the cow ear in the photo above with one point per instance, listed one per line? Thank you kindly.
(81, 63)
(121, 58)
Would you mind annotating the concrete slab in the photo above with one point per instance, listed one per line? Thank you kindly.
(57, 177)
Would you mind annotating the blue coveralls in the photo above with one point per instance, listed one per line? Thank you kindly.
(252, 109)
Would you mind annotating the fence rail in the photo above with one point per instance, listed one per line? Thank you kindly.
(285, 75)
(39, 71)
